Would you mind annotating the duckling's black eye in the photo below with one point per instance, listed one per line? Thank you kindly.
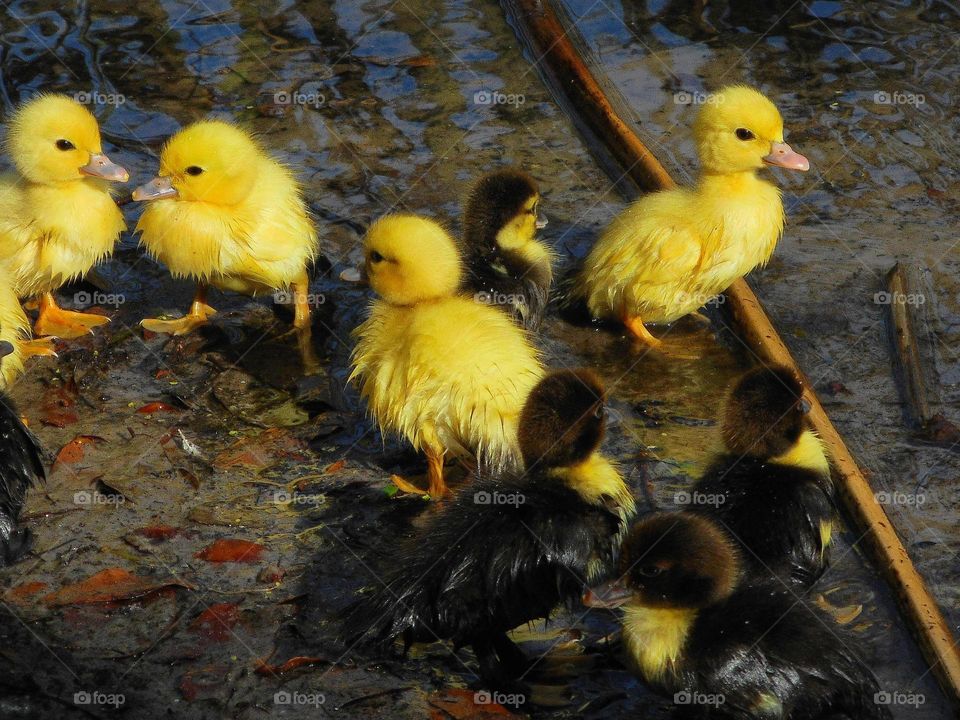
(65, 145)
(194, 170)
(375, 257)
(744, 134)
(650, 571)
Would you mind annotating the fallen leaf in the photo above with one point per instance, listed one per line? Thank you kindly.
(459, 703)
(74, 450)
(216, 622)
(155, 407)
(158, 533)
(261, 451)
(57, 405)
(263, 668)
(335, 467)
(20, 594)
(231, 550)
(110, 585)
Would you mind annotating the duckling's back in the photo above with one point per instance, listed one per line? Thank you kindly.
(451, 370)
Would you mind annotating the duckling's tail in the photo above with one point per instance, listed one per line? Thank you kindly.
(20, 465)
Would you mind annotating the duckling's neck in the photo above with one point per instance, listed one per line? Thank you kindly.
(599, 482)
(654, 639)
(808, 453)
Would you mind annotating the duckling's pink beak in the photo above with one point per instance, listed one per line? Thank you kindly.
(610, 594)
(100, 166)
(782, 155)
(156, 189)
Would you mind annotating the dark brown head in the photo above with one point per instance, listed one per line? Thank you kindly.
(563, 420)
(765, 413)
(501, 212)
(672, 560)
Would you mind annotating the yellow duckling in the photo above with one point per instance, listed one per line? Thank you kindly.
(57, 218)
(225, 213)
(446, 372)
(669, 252)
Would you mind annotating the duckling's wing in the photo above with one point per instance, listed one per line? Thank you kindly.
(20, 465)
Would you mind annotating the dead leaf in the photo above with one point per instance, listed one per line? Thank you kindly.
(155, 407)
(58, 406)
(110, 585)
(231, 550)
(261, 451)
(158, 533)
(263, 668)
(20, 594)
(74, 450)
(216, 622)
(459, 703)
(335, 467)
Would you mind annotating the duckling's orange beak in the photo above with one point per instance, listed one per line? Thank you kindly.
(610, 594)
(100, 166)
(156, 189)
(782, 155)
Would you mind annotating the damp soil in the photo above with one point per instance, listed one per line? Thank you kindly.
(210, 510)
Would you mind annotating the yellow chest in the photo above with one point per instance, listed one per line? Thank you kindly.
(808, 453)
(596, 479)
(654, 640)
(67, 228)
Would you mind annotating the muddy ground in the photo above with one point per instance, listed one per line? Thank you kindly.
(210, 510)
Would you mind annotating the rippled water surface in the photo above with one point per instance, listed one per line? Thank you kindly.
(381, 106)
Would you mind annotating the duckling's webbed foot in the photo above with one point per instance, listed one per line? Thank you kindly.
(55, 321)
(638, 330)
(198, 316)
(41, 347)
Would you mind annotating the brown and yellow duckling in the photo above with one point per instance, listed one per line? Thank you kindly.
(725, 645)
(506, 265)
(771, 490)
(512, 547)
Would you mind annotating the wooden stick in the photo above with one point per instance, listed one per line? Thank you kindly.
(565, 71)
(906, 350)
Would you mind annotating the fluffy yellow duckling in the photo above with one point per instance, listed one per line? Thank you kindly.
(57, 218)
(669, 252)
(225, 213)
(446, 372)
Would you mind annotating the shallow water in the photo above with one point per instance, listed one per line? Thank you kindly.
(382, 106)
